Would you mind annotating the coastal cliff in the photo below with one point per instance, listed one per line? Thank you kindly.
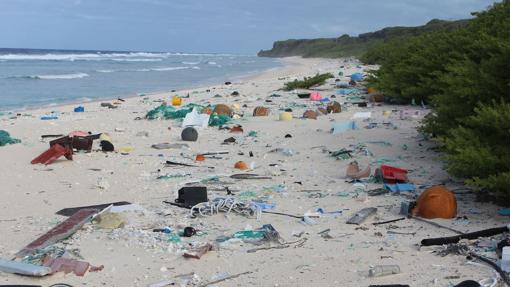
(346, 46)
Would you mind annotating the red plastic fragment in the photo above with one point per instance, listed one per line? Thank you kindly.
(52, 154)
(66, 265)
(96, 268)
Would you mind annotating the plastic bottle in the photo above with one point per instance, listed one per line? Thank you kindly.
(383, 270)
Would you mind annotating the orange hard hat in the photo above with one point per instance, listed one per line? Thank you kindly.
(436, 202)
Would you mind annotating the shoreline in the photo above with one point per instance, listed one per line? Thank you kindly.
(240, 77)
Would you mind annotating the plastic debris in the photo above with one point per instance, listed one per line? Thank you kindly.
(23, 268)
(383, 270)
(362, 115)
(400, 187)
(357, 77)
(362, 215)
(108, 220)
(6, 139)
(342, 127)
(219, 120)
(353, 171)
(169, 146)
(198, 252)
(68, 265)
(285, 116)
(436, 202)
(194, 119)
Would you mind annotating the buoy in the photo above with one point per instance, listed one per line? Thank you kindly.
(310, 115)
(189, 134)
(260, 112)
(222, 110)
(285, 116)
(241, 165)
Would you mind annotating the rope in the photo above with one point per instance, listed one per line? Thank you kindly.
(227, 205)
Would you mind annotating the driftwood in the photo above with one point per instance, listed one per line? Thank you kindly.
(457, 238)
(389, 221)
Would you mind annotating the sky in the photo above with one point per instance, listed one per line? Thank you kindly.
(214, 26)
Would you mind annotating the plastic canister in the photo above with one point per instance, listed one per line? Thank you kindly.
(505, 259)
(383, 270)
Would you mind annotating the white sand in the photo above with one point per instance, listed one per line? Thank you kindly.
(31, 194)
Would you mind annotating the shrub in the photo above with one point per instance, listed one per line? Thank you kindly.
(465, 76)
(307, 82)
(480, 149)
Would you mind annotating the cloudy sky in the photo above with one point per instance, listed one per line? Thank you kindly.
(230, 26)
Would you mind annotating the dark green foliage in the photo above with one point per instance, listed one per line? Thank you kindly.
(465, 76)
(307, 82)
(413, 69)
(347, 46)
(480, 149)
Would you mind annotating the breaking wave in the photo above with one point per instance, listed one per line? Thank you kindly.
(136, 60)
(157, 69)
(114, 56)
(131, 57)
(169, 69)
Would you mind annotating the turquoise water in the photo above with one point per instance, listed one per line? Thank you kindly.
(32, 78)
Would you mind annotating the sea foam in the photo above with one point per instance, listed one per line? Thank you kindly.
(60, 77)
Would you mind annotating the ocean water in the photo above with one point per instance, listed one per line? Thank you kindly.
(34, 78)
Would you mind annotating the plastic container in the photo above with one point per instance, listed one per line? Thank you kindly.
(176, 101)
(505, 259)
(383, 270)
(392, 174)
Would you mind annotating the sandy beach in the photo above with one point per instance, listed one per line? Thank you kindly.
(304, 177)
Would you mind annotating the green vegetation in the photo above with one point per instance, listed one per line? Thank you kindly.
(347, 46)
(464, 74)
(307, 82)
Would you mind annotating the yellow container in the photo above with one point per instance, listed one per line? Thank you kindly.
(126, 149)
(176, 101)
(285, 116)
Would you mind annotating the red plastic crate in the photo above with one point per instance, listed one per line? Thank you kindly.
(392, 174)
